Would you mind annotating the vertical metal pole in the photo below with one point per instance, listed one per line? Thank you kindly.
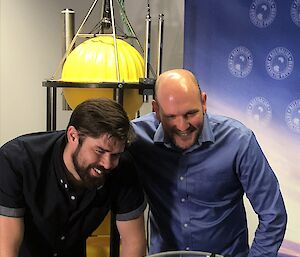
(54, 104)
(115, 40)
(147, 47)
(68, 34)
(160, 43)
(147, 43)
(68, 27)
(117, 91)
(49, 109)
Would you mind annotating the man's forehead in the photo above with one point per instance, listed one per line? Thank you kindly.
(173, 109)
(106, 140)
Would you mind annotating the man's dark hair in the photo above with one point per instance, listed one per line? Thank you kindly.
(95, 117)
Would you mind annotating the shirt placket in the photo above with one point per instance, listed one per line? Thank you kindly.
(183, 202)
(63, 235)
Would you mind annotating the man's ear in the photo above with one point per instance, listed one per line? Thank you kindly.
(155, 108)
(203, 101)
(72, 134)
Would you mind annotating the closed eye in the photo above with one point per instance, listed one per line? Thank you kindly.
(170, 117)
(191, 113)
(116, 156)
(99, 151)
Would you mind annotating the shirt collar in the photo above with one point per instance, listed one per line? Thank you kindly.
(205, 136)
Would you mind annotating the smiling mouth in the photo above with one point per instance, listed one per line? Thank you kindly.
(183, 134)
(98, 171)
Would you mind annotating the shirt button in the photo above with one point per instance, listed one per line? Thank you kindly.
(66, 186)
(73, 197)
(61, 181)
(182, 200)
(62, 238)
(181, 178)
(99, 187)
(185, 225)
(187, 248)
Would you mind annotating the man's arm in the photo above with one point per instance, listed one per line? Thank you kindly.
(11, 236)
(133, 240)
(262, 189)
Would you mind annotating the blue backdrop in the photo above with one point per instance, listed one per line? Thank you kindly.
(246, 56)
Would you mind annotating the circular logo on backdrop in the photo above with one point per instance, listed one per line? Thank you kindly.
(279, 63)
(262, 12)
(295, 12)
(292, 116)
(240, 62)
(259, 110)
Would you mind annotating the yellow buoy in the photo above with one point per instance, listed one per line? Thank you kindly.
(94, 61)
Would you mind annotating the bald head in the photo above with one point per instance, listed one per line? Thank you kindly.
(179, 106)
(178, 81)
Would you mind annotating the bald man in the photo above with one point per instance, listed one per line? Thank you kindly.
(196, 167)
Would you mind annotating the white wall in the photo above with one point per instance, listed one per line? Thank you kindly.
(30, 50)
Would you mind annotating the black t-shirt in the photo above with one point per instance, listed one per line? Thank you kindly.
(58, 219)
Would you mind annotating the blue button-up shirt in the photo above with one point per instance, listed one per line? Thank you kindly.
(196, 196)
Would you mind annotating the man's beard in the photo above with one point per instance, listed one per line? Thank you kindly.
(87, 180)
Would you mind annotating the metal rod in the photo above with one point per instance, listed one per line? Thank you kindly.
(119, 94)
(54, 104)
(68, 27)
(160, 43)
(147, 43)
(89, 35)
(49, 109)
(68, 32)
(115, 40)
(116, 93)
(147, 64)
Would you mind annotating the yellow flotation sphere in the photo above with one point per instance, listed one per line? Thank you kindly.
(94, 61)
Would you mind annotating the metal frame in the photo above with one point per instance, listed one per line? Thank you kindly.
(145, 86)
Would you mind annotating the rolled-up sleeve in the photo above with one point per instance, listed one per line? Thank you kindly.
(128, 197)
(11, 196)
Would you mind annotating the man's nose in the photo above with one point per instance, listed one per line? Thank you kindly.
(106, 162)
(182, 124)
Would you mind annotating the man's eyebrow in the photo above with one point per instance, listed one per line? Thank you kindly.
(108, 151)
(101, 148)
(193, 111)
(188, 112)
